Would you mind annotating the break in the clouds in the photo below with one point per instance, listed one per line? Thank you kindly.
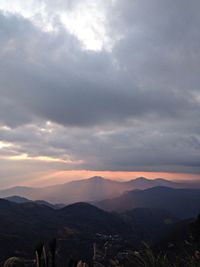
(99, 85)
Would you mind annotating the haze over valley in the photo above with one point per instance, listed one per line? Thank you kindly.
(92, 189)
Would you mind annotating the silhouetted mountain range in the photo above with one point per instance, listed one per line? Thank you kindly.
(88, 190)
(22, 200)
(23, 226)
(183, 203)
(146, 215)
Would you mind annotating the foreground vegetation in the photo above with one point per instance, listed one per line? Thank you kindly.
(182, 253)
(143, 258)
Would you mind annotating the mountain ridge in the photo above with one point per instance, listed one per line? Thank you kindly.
(88, 190)
(161, 197)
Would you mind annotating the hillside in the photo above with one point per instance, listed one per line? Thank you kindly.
(183, 203)
(77, 226)
(149, 224)
(74, 226)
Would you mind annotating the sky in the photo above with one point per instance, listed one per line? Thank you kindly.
(99, 87)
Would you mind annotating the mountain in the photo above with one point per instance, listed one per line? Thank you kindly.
(183, 203)
(76, 227)
(22, 200)
(144, 183)
(150, 225)
(23, 226)
(18, 199)
(92, 189)
(88, 190)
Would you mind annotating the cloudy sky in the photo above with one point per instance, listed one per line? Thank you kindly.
(107, 86)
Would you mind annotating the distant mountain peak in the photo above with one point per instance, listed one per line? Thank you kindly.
(141, 178)
(96, 178)
(161, 180)
(145, 179)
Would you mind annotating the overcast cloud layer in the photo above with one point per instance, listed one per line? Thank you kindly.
(124, 96)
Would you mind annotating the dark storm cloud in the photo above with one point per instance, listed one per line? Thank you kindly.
(160, 42)
(52, 78)
(136, 107)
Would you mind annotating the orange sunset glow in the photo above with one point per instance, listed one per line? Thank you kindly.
(59, 177)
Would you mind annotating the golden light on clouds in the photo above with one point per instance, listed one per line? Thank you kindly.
(24, 157)
(5, 144)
